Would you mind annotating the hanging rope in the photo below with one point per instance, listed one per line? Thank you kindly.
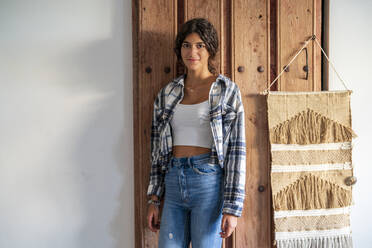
(299, 51)
(330, 62)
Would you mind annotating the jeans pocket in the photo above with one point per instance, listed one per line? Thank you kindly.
(205, 169)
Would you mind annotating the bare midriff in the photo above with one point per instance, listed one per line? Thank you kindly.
(188, 151)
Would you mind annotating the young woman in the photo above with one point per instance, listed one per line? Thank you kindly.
(197, 148)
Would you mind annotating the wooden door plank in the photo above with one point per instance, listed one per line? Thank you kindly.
(211, 10)
(251, 50)
(153, 48)
(297, 21)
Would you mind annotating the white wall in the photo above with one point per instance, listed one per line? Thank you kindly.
(66, 160)
(350, 51)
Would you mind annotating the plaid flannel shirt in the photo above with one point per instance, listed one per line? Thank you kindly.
(228, 149)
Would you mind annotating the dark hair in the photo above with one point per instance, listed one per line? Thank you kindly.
(207, 33)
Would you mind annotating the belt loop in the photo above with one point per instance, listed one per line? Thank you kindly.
(189, 161)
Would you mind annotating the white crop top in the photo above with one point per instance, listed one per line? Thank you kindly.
(190, 125)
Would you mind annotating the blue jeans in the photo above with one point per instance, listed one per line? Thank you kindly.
(193, 204)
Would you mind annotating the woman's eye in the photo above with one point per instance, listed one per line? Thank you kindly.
(188, 45)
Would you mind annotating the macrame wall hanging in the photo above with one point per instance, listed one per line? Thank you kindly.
(311, 166)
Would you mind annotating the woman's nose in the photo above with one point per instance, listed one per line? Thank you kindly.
(193, 50)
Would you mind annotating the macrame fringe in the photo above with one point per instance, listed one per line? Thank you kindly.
(309, 127)
(343, 241)
(311, 192)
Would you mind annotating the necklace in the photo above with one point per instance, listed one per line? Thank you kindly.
(195, 87)
(190, 89)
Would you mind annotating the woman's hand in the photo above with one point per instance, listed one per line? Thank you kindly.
(228, 225)
(153, 221)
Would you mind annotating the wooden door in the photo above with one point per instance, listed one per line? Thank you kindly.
(256, 39)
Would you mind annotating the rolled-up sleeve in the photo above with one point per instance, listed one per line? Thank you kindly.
(235, 162)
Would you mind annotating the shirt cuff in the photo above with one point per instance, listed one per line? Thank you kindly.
(155, 190)
(230, 208)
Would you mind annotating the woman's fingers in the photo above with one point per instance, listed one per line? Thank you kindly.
(149, 220)
(223, 225)
(228, 231)
(228, 225)
(153, 219)
(156, 220)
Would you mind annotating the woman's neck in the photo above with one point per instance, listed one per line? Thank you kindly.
(195, 78)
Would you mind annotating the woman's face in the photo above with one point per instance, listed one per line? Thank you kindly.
(194, 53)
